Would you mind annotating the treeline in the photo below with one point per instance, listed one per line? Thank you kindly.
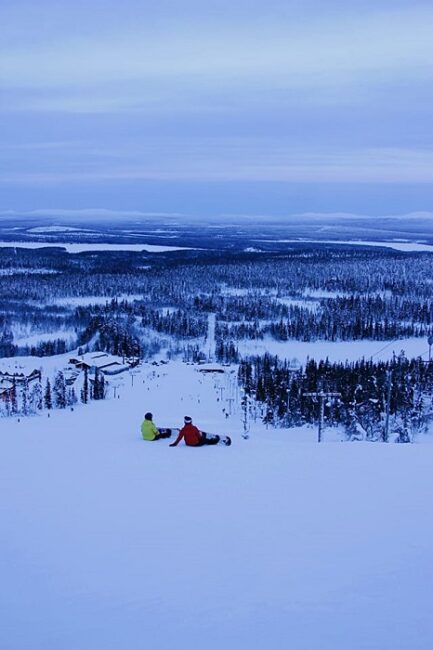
(173, 322)
(303, 295)
(369, 393)
(26, 398)
(200, 283)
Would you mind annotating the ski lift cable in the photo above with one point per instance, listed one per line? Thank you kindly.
(384, 348)
(388, 345)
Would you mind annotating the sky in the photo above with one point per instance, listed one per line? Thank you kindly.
(217, 107)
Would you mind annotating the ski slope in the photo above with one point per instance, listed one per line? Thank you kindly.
(109, 542)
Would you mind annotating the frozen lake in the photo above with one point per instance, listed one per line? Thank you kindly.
(82, 248)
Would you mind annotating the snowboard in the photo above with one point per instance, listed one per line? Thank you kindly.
(224, 440)
(165, 432)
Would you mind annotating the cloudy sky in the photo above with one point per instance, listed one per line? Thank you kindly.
(209, 107)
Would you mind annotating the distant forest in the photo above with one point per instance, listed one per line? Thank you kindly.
(307, 295)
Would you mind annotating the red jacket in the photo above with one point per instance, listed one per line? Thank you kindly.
(191, 434)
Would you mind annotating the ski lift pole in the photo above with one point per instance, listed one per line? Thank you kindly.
(388, 404)
(245, 405)
(321, 417)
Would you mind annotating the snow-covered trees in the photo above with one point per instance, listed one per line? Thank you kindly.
(98, 389)
(7, 347)
(48, 398)
(376, 398)
(36, 397)
(27, 396)
(85, 388)
(299, 295)
(71, 397)
(59, 390)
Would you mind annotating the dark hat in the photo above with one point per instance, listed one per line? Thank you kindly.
(148, 416)
(187, 419)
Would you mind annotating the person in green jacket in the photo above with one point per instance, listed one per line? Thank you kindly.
(150, 432)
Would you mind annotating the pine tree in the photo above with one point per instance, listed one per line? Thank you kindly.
(25, 405)
(14, 400)
(48, 400)
(102, 387)
(85, 388)
(8, 409)
(59, 390)
(71, 397)
(36, 397)
(96, 388)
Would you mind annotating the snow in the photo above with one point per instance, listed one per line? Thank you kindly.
(82, 301)
(276, 542)
(226, 290)
(39, 337)
(97, 247)
(320, 294)
(403, 246)
(57, 229)
(49, 365)
(334, 350)
(27, 271)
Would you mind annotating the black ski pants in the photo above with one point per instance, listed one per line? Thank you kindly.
(207, 439)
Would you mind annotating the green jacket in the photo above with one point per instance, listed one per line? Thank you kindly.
(148, 430)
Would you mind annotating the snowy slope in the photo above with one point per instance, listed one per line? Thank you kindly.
(111, 542)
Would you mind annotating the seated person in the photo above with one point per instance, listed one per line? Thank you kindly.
(193, 436)
(150, 432)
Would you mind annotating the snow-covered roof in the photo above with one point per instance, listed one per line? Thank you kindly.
(97, 359)
(19, 376)
(211, 367)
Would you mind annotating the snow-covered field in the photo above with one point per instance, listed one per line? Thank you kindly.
(27, 271)
(335, 351)
(97, 247)
(34, 339)
(82, 301)
(396, 244)
(276, 542)
(38, 230)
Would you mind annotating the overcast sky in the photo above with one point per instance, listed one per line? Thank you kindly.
(213, 106)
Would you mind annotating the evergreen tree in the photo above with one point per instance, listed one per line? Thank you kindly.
(7, 402)
(102, 387)
(36, 397)
(14, 398)
(85, 388)
(96, 386)
(48, 400)
(71, 397)
(59, 390)
(25, 397)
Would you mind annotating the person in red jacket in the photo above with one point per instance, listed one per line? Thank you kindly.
(194, 437)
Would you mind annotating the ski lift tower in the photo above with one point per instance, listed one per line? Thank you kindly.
(430, 343)
(322, 396)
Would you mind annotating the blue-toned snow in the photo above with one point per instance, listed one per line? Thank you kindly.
(109, 542)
